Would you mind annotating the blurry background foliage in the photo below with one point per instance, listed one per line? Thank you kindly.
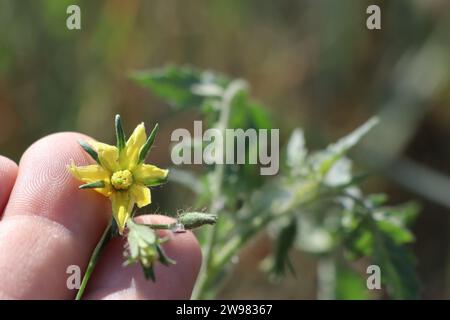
(313, 63)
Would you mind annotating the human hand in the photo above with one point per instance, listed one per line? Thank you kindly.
(47, 224)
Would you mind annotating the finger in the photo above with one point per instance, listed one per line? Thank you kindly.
(8, 173)
(112, 280)
(48, 223)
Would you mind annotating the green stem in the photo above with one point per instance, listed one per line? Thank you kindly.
(326, 278)
(236, 243)
(158, 226)
(200, 287)
(107, 235)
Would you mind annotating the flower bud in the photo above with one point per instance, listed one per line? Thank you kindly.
(192, 220)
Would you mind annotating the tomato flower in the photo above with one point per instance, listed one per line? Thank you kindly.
(120, 173)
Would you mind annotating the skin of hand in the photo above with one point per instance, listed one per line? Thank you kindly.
(48, 224)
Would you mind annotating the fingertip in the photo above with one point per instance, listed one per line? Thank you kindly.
(7, 164)
(8, 174)
(45, 187)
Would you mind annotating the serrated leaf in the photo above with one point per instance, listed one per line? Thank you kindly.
(323, 161)
(350, 140)
(178, 86)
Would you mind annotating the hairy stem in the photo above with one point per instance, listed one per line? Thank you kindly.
(107, 235)
(236, 243)
(326, 278)
(199, 290)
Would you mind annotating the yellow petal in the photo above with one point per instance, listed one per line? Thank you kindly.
(108, 155)
(90, 174)
(122, 205)
(130, 154)
(149, 175)
(141, 195)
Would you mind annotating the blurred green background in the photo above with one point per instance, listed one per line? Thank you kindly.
(313, 62)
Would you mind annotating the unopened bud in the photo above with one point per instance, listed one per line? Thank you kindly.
(191, 220)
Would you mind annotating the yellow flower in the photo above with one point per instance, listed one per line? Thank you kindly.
(120, 173)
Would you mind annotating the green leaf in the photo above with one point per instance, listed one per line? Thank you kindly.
(406, 213)
(350, 285)
(377, 200)
(323, 161)
(148, 144)
(246, 113)
(120, 134)
(178, 86)
(283, 244)
(393, 221)
(350, 140)
(259, 116)
(359, 243)
(397, 232)
(397, 268)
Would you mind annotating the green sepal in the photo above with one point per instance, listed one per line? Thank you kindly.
(155, 182)
(148, 144)
(114, 228)
(89, 150)
(163, 258)
(96, 184)
(120, 134)
(149, 272)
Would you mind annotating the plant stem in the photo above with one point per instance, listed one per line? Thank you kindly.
(107, 235)
(237, 242)
(326, 278)
(158, 226)
(227, 100)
